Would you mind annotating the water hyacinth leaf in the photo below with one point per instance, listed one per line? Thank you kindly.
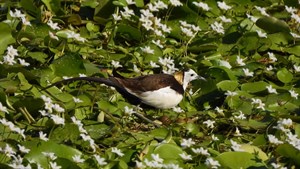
(254, 87)
(37, 147)
(272, 24)
(241, 160)
(168, 151)
(39, 56)
(284, 75)
(96, 131)
(254, 150)
(129, 32)
(24, 85)
(68, 65)
(228, 85)
(288, 151)
(6, 37)
(68, 132)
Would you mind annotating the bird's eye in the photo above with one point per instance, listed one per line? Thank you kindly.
(192, 74)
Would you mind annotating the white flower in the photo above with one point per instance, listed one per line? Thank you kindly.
(127, 13)
(16, 14)
(53, 25)
(225, 20)
(11, 51)
(49, 155)
(43, 136)
(290, 10)
(202, 5)
(235, 146)
(53, 36)
(214, 138)
(185, 156)
(157, 43)
(57, 120)
(187, 31)
(176, 3)
(237, 132)
(130, 2)
(220, 111)
(261, 34)
(272, 57)
(23, 149)
(297, 68)
(211, 163)
(77, 159)
(252, 18)
(3, 108)
(23, 62)
(209, 123)
(262, 10)
(58, 108)
(240, 61)
(153, 64)
(160, 5)
(218, 27)
(9, 60)
(77, 100)
(247, 72)
(293, 94)
(147, 50)
(277, 166)
(259, 103)
(139, 165)
(9, 151)
(274, 140)
(129, 111)
(201, 151)
(25, 21)
(295, 35)
(241, 116)
(116, 64)
(53, 165)
(230, 93)
(223, 5)
(296, 17)
(270, 68)
(116, 17)
(271, 89)
(117, 151)
(156, 158)
(187, 142)
(177, 109)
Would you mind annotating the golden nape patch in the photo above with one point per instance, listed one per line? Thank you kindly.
(179, 77)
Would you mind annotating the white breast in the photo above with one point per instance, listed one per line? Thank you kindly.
(163, 98)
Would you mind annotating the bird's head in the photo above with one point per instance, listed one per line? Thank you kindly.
(187, 76)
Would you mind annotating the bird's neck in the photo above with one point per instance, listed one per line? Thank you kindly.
(179, 76)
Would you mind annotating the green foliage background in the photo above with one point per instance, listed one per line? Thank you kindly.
(102, 110)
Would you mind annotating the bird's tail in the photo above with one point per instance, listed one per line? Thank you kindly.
(89, 79)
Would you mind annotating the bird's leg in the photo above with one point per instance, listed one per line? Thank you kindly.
(136, 113)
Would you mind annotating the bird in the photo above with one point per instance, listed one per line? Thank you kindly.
(161, 91)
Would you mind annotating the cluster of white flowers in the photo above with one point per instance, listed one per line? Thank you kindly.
(258, 103)
(168, 65)
(84, 134)
(12, 127)
(20, 15)
(72, 35)
(9, 58)
(285, 126)
(189, 30)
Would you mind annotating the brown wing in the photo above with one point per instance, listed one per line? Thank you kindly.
(151, 82)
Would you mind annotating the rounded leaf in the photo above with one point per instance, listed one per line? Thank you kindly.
(284, 75)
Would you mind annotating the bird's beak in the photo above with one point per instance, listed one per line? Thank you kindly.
(201, 78)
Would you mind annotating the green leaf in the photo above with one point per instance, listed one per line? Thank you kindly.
(241, 160)
(37, 147)
(39, 56)
(228, 85)
(254, 87)
(288, 151)
(24, 85)
(68, 65)
(168, 151)
(284, 75)
(254, 150)
(272, 25)
(6, 37)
